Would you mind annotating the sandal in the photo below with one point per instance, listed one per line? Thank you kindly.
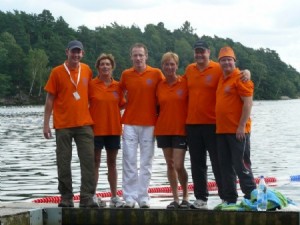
(185, 204)
(173, 205)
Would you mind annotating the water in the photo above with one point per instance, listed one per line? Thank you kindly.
(28, 168)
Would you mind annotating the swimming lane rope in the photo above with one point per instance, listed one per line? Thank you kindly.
(211, 186)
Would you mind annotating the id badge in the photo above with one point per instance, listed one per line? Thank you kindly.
(76, 95)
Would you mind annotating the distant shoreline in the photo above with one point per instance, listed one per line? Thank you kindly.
(23, 100)
(26, 100)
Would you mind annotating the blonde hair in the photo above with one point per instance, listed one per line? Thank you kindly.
(168, 56)
(110, 57)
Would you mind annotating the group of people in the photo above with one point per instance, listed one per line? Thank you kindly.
(205, 110)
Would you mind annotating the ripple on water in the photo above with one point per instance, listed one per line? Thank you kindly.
(28, 161)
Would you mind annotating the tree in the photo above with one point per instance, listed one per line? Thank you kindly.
(36, 64)
(5, 82)
(12, 64)
(46, 24)
(187, 28)
(185, 53)
(21, 33)
(155, 44)
(5, 85)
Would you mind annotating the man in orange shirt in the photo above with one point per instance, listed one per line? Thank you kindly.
(67, 97)
(233, 108)
(139, 83)
(202, 81)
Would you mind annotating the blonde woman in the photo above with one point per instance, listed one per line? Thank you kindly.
(170, 133)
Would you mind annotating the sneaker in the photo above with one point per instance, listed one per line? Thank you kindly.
(116, 202)
(88, 203)
(66, 203)
(102, 204)
(199, 204)
(173, 205)
(144, 205)
(129, 204)
(185, 204)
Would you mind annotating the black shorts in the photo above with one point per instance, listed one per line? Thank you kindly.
(171, 141)
(109, 142)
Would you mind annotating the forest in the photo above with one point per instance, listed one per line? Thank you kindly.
(32, 44)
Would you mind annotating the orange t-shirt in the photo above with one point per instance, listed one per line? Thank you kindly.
(105, 103)
(202, 86)
(173, 108)
(141, 96)
(229, 103)
(67, 111)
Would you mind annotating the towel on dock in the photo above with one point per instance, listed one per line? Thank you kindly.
(276, 201)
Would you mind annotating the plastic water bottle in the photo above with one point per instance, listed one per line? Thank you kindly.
(262, 199)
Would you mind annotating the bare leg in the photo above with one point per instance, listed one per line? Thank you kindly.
(178, 157)
(112, 170)
(172, 174)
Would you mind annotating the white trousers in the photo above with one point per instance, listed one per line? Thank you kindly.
(136, 178)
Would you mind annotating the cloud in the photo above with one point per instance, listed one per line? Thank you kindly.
(98, 6)
(273, 24)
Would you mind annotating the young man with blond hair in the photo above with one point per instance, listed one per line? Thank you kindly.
(139, 83)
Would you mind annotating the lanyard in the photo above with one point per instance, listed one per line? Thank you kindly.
(78, 77)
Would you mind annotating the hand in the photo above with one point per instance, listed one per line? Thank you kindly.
(245, 75)
(240, 133)
(47, 132)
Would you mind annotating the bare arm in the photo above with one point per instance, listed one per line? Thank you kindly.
(246, 111)
(47, 115)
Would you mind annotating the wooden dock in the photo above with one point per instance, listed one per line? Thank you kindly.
(50, 214)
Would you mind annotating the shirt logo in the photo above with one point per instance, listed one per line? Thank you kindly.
(149, 82)
(208, 79)
(179, 92)
(116, 95)
(227, 89)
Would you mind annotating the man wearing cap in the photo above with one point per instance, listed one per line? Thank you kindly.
(202, 79)
(233, 108)
(67, 97)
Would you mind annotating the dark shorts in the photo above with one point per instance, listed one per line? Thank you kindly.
(109, 142)
(171, 141)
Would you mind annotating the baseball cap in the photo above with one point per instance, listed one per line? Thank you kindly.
(201, 44)
(226, 51)
(75, 44)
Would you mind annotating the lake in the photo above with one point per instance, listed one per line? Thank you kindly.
(28, 168)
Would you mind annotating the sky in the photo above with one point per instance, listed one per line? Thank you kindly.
(272, 24)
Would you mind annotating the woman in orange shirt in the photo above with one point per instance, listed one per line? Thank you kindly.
(170, 126)
(106, 100)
